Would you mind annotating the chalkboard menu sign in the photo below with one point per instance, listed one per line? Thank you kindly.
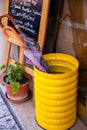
(31, 16)
(27, 14)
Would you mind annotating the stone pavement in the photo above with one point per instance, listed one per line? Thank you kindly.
(8, 120)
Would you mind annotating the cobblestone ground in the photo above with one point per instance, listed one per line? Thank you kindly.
(8, 120)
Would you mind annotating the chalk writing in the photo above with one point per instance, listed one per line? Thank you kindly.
(27, 14)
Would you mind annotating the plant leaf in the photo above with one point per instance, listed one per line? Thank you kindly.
(15, 87)
(2, 67)
(18, 76)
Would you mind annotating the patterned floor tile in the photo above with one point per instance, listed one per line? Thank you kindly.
(8, 120)
(8, 123)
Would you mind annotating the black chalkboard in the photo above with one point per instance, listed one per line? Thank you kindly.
(27, 14)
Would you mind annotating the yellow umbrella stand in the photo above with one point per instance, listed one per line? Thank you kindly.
(56, 92)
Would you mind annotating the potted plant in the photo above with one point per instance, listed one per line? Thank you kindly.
(16, 82)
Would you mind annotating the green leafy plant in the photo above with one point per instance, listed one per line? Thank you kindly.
(14, 75)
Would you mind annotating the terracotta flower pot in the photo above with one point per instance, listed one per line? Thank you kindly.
(23, 93)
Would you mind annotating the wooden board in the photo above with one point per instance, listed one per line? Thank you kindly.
(35, 25)
(71, 36)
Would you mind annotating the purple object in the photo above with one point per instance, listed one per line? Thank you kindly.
(33, 54)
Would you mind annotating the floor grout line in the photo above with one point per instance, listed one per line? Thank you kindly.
(4, 116)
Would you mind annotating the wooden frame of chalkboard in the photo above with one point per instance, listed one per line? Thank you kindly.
(41, 31)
